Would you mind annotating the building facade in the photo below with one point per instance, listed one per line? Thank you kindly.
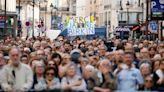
(8, 18)
(121, 13)
(25, 14)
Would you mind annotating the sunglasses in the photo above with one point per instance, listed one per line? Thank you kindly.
(50, 74)
(51, 64)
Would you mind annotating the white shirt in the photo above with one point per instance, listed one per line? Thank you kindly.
(160, 73)
(20, 79)
(128, 79)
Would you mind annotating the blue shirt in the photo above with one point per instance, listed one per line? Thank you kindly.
(128, 79)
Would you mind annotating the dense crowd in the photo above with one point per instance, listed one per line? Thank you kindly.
(81, 65)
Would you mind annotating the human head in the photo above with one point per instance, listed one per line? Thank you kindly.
(51, 63)
(24, 59)
(15, 56)
(144, 53)
(105, 64)
(39, 68)
(57, 58)
(66, 58)
(102, 49)
(88, 71)
(50, 73)
(129, 48)
(148, 83)
(109, 55)
(145, 69)
(71, 71)
(128, 58)
(36, 45)
(40, 54)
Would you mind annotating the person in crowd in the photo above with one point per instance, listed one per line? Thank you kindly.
(90, 77)
(148, 84)
(102, 49)
(36, 45)
(117, 60)
(40, 54)
(73, 81)
(145, 54)
(145, 69)
(39, 80)
(2, 63)
(52, 81)
(152, 51)
(48, 53)
(57, 58)
(158, 77)
(109, 55)
(12, 71)
(129, 78)
(24, 59)
(161, 52)
(51, 63)
(83, 63)
(156, 62)
(108, 82)
(65, 62)
(43, 44)
(129, 47)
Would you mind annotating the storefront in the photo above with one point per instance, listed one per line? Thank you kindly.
(122, 32)
(11, 22)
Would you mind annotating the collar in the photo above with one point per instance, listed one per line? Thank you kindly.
(19, 66)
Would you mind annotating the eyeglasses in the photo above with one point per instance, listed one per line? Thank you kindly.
(52, 74)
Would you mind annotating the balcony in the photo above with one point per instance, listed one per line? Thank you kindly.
(106, 7)
(63, 9)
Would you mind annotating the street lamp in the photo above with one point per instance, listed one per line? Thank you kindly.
(39, 18)
(45, 1)
(5, 19)
(127, 5)
(33, 19)
(55, 23)
(142, 6)
(51, 13)
(121, 9)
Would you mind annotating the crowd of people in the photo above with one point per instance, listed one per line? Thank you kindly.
(95, 65)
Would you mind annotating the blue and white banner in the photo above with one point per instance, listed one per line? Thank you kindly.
(80, 26)
(153, 27)
(157, 5)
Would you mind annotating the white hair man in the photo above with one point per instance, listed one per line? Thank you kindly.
(16, 75)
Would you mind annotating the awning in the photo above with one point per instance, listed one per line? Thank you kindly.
(135, 28)
(117, 29)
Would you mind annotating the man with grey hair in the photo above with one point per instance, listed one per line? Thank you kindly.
(2, 63)
(108, 83)
(16, 75)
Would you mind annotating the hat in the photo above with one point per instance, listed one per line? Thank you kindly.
(75, 50)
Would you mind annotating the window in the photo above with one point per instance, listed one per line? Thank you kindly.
(133, 18)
